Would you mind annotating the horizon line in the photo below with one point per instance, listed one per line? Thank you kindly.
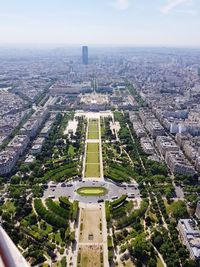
(63, 45)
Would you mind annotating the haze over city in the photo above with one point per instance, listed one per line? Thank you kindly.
(99, 133)
(105, 22)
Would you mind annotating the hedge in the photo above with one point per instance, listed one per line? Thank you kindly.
(48, 216)
(107, 208)
(131, 218)
(118, 202)
(61, 173)
(55, 208)
(75, 210)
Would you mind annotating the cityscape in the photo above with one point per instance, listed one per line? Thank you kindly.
(100, 146)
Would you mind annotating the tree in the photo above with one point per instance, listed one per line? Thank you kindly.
(1, 180)
(62, 233)
(140, 248)
(157, 239)
(179, 209)
(152, 262)
(15, 179)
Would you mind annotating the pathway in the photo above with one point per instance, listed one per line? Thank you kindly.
(89, 227)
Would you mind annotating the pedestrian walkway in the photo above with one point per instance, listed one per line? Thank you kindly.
(92, 228)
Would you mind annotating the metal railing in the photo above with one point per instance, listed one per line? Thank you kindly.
(9, 253)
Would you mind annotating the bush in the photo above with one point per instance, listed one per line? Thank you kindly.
(52, 206)
(75, 210)
(107, 208)
(132, 217)
(63, 262)
(110, 243)
(48, 216)
(118, 202)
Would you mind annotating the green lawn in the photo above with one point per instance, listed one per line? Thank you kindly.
(92, 191)
(92, 170)
(9, 207)
(71, 150)
(56, 264)
(92, 158)
(93, 135)
(48, 229)
(159, 262)
(92, 147)
(93, 125)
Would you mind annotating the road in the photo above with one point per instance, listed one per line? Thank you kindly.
(69, 190)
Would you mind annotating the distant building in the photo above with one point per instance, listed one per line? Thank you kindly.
(165, 144)
(197, 213)
(147, 145)
(190, 235)
(85, 55)
(177, 163)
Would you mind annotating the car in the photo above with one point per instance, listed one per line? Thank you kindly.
(131, 185)
(131, 195)
(123, 185)
(100, 200)
(63, 185)
(51, 196)
(114, 197)
(52, 185)
(69, 185)
(53, 189)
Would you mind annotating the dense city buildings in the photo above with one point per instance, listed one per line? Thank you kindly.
(101, 161)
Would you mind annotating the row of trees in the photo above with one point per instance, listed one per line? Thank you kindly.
(49, 216)
(57, 209)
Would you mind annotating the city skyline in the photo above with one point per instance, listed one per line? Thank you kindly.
(113, 22)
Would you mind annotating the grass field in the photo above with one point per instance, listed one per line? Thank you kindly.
(92, 167)
(9, 206)
(92, 147)
(92, 158)
(92, 191)
(90, 256)
(90, 231)
(159, 263)
(93, 135)
(93, 129)
(92, 170)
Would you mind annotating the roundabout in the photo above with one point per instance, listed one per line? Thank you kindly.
(92, 191)
(89, 191)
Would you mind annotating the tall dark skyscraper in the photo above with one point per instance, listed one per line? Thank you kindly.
(85, 55)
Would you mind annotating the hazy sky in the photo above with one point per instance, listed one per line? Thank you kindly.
(120, 22)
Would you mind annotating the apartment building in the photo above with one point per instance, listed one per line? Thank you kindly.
(8, 159)
(19, 143)
(147, 145)
(155, 128)
(177, 163)
(165, 144)
(32, 126)
(190, 236)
